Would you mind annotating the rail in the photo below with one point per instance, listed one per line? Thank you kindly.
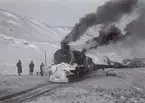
(28, 94)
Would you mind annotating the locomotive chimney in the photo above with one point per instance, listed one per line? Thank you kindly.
(65, 45)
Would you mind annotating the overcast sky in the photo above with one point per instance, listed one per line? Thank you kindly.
(52, 12)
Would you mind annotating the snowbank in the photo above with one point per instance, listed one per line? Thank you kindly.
(58, 73)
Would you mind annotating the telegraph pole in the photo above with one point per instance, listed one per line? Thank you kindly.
(45, 58)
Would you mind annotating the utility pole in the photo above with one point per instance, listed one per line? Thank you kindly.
(45, 59)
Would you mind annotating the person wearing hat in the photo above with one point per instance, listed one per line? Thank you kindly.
(19, 66)
(31, 66)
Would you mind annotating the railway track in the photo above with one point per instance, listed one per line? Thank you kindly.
(29, 94)
(35, 92)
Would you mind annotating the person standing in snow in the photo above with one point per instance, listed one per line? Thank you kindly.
(41, 69)
(83, 56)
(89, 64)
(31, 66)
(19, 66)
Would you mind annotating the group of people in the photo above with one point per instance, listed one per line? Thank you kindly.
(31, 68)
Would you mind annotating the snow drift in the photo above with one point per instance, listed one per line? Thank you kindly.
(59, 72)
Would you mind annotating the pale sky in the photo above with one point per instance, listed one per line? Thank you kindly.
(52, 12)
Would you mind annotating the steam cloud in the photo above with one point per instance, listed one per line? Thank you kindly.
(129, 45)
(109, 13)
(109, 34)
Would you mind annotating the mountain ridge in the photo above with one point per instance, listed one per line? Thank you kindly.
(26, 39)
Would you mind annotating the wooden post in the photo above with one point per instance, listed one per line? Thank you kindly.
(45, 59)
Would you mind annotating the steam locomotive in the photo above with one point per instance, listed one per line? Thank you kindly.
(67, 56)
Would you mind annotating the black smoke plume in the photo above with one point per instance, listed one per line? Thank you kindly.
(130, 44)
(110, 12)
(107, 35)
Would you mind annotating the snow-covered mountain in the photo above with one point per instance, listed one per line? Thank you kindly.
(26, 39)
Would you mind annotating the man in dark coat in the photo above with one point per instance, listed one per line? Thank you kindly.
(19, 66)
(41, 69)
(89, 64)
(31, 66)
(83, 56)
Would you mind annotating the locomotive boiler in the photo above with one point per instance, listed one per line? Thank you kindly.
(72, 56)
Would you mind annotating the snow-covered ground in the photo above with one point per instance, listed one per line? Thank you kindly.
(10, 84)
(24, 39)
(127, 87)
